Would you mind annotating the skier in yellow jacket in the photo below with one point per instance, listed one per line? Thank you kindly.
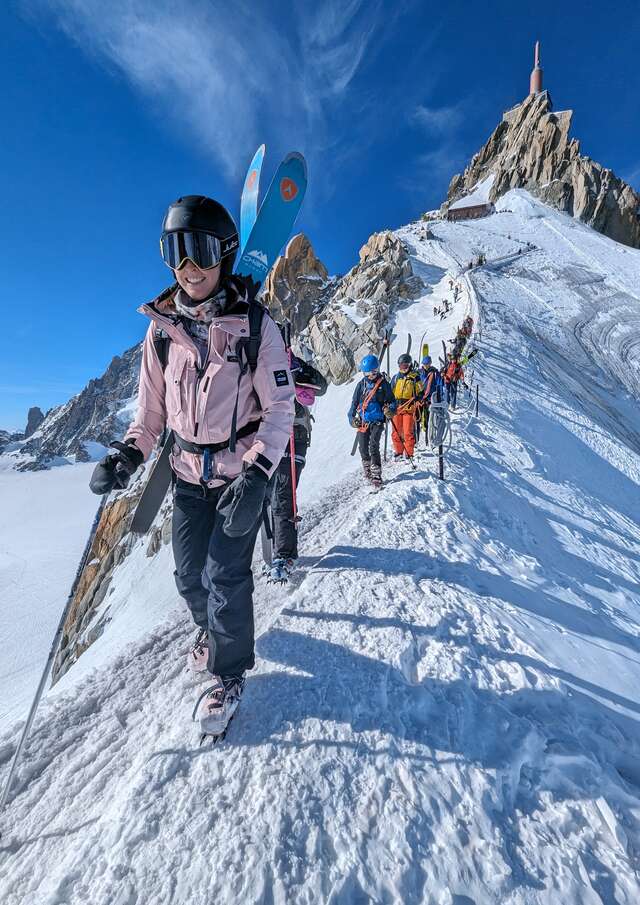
(407, 388)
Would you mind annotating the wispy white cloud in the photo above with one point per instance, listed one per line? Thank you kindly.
(431, 173)
(334, 40)
(438, 120)
(222, 72)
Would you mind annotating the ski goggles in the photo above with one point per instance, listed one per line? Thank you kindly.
(206, 251)
(372, 375)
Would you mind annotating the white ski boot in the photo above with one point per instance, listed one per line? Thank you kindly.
(217, 704)
(280, 571)
(199, 653)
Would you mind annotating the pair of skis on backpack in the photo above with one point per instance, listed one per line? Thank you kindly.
(263, 233)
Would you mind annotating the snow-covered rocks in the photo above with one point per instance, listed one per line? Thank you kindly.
(352, 324)
(531, 149)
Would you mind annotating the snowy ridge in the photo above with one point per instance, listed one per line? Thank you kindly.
(445, 707)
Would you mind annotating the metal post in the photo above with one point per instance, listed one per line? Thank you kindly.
(52, 654)
(440, 450)
(386, 420)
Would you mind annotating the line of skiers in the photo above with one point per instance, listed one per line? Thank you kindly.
(445, 309)
(403, 400)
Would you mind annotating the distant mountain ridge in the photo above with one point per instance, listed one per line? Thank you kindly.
(98, 414)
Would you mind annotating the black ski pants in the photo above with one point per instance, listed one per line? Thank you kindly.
(285, 529)
(213, 575)
(369, 443)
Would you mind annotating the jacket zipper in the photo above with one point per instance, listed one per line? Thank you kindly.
(201, 372)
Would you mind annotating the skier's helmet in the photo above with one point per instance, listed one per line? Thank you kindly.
(426, 361)
(405, 359)
(199, 228)
(369, 363)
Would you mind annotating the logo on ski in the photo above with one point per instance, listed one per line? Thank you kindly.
(251, 179)
(258, 258)
(288, 189)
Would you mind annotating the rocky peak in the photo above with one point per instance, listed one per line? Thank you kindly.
(298, 284)
(99, 414)
(531, 149)
(34, 420)
(352, 322)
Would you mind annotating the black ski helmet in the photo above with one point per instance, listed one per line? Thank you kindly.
(197, 213)
(405, 359)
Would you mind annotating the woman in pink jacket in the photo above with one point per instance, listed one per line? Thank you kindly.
(231, 423)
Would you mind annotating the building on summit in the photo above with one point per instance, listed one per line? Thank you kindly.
(476, 203)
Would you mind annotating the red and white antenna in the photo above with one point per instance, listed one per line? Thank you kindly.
(535, 82)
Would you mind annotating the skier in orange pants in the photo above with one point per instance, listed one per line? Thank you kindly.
(407, 388)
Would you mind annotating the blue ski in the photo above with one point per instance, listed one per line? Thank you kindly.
(249, 199)
(275, 218)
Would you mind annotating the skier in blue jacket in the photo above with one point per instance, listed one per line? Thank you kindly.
(373, 401)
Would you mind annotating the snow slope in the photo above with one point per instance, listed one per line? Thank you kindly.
(46, 517)
(445, 707)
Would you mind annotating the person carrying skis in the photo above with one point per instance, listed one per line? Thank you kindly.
(309, 383)
(227, 396)
(452, 375)
(373, 401)
(428, 375)
(407, 390)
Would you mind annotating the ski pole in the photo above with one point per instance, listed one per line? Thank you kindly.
(292, 456)
(440, 449)
(292, 440)
(52, 653)
(386, 423)
(477, 399)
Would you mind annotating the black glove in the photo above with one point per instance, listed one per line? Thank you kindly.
(116, 469)
(241, 502)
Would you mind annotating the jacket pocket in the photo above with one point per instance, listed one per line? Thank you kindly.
(174, 392)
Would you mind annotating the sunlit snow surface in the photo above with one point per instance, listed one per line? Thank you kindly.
(45, 518)
(445, 706)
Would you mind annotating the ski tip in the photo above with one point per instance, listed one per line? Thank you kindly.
(296, 155)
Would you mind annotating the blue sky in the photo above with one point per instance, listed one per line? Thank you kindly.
(111, 110)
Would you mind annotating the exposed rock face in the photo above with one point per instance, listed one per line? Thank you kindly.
(353, 322)
(34, 420)
(89, 611)
(298, 285)
(531, 149)
(95, 414)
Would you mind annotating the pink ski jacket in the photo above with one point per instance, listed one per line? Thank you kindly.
(196, 399)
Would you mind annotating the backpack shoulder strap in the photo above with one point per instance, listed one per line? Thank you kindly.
(252, 344)
(161, 341)
(251, 347)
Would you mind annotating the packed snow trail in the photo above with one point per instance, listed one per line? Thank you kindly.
(445, 708)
